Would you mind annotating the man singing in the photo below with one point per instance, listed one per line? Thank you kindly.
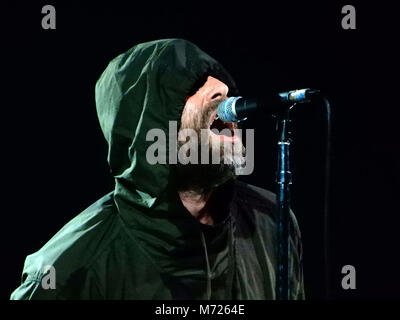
(167, 230)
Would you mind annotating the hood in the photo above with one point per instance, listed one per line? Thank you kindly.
(141, 89)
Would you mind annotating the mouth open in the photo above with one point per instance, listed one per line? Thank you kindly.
(225, 130)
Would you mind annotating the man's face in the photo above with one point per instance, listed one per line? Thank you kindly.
(199, 114)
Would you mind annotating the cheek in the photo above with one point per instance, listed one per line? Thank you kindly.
(189, 112)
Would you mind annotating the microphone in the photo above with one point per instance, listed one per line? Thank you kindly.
(298, 96)
(236, 109)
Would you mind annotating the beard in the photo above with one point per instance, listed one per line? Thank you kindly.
(203, 178)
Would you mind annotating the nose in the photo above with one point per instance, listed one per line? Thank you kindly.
(216, 89)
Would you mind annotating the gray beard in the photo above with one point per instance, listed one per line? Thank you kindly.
(203, 178)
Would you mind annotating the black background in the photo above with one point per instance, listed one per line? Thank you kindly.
(54, 154)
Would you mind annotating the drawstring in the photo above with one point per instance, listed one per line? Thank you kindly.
(203, 240)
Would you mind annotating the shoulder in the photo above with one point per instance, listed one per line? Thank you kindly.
(255, 199)
(72, 250)
(259, 204)
(257, 196)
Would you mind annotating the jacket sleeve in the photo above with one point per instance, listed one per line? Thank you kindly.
(82, 285)
(32, 289)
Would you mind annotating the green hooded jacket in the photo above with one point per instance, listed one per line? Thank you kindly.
(139, 241)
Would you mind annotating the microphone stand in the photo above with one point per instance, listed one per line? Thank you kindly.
(284, 181)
